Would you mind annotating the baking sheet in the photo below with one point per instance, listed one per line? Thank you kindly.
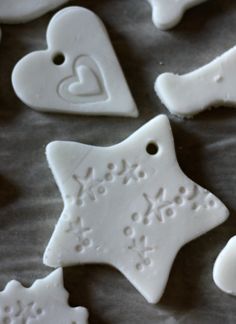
(30, 203)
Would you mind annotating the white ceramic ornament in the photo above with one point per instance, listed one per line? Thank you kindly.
(128, 205)
(78, 73)
(43, 303)
(224, 272)
(168, 13)
(208, 86)
(20, 11)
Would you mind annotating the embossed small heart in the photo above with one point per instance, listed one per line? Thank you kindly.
(78, 73)
(86, 85)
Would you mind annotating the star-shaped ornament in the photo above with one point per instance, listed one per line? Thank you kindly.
(168, 13)
(128, 205)
(43, 303)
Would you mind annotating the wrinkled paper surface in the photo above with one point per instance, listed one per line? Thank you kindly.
(30, 203)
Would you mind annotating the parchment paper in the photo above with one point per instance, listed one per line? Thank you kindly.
(30, 203)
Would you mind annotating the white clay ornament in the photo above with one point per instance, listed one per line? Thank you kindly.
(224, 272)
(168, 13)
(129, 206)
(212, 85)
(20, 11)
(78, 73)
(46, 301)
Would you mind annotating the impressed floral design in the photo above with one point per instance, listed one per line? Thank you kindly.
(92, 187)
(158, 211)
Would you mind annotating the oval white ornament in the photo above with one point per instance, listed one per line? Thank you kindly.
(78, 73)
(224, 271)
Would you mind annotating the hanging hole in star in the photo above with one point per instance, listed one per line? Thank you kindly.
(58, 58)
(152, 148)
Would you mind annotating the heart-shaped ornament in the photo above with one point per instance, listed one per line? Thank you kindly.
(20, 11)
(78, 73)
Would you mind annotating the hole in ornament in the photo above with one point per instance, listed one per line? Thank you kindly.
(58, 58)
(152, 148)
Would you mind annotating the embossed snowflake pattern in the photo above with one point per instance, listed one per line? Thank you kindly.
(158, 206)
(21, 313)
(89, 186)
(142, 250)
(76, 227)
(130, 172)
(161, 209)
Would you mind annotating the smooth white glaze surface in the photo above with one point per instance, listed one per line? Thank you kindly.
(208, 86)
(44, 302)
(224, 272)
(20, 11)
(167, 13)
(89, 79)
(128, 208)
